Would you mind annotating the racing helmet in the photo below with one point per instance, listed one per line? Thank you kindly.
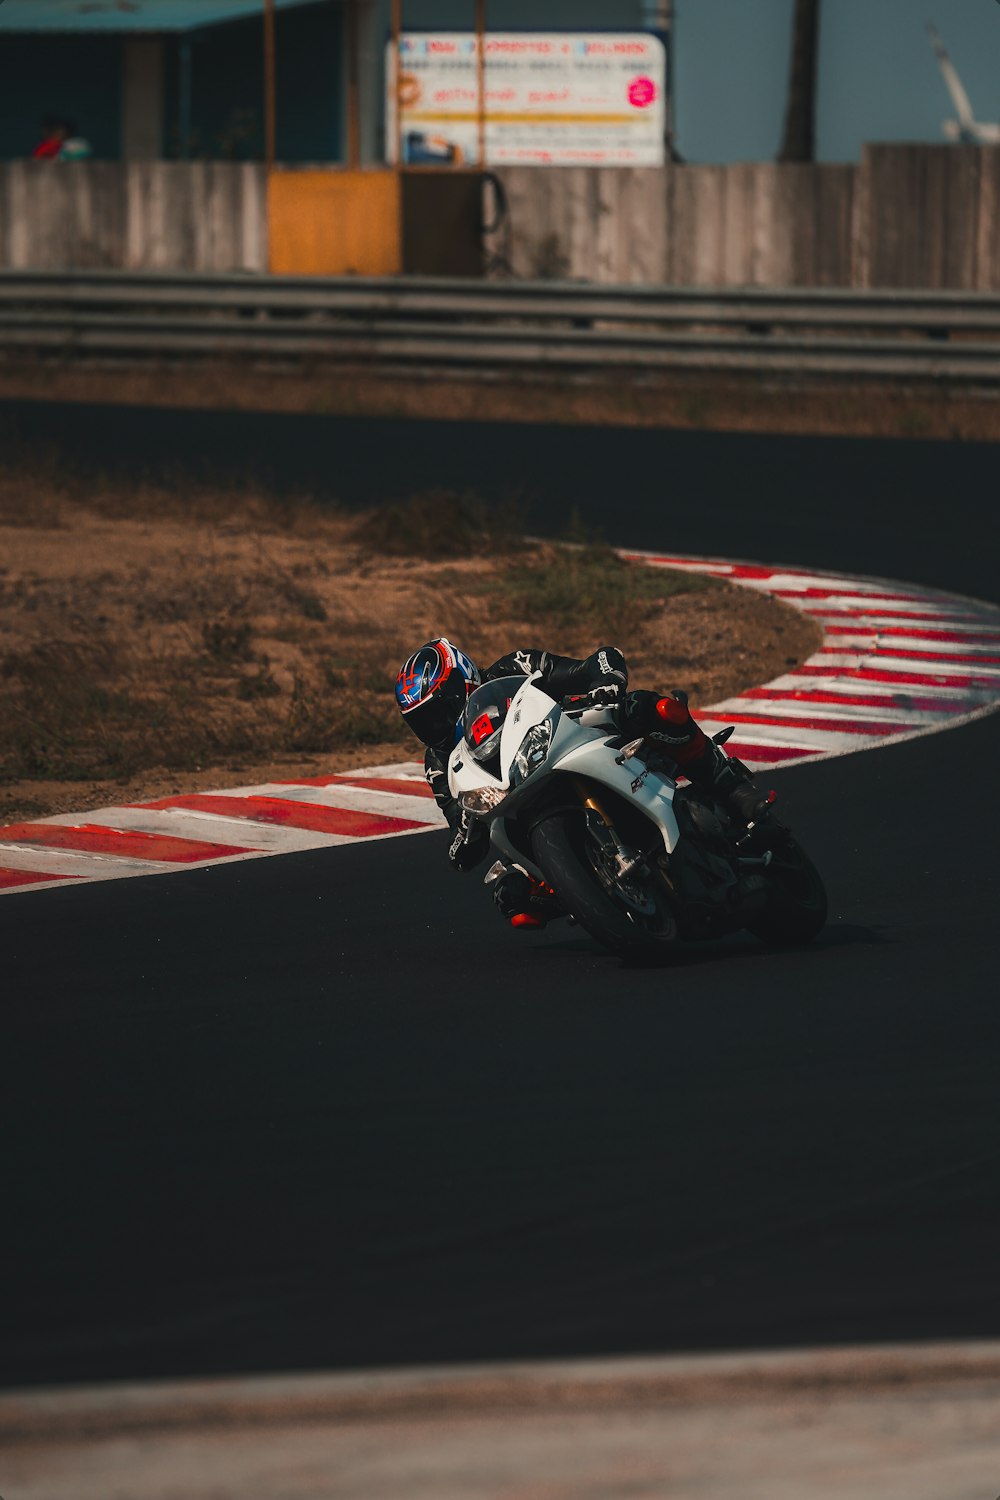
(431, 690)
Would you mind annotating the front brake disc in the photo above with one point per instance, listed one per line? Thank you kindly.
(629, 892)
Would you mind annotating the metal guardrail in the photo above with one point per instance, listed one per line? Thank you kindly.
(478, 326)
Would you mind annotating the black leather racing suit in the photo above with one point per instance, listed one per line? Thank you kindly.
(560, 676)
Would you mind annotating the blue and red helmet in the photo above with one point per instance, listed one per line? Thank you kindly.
(431, 690)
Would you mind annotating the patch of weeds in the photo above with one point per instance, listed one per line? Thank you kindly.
(362, 724)
(31, 509)
(579, 532)
(440, 523)
(225, 641)
(694, 407)
(374, 680)
(307, 603)
(913, 422)
(310, 722)
(261, 685)
(320, 720)
(61, 717)
(62, 690)
(294, 633)
(589, 588)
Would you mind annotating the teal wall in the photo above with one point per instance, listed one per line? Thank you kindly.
(76, 76)
(80, 76)
(227, 87)
(521, 15)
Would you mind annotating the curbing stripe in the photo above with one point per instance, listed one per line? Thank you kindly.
(396, 786)
(926, 661)
(896, 661)
(286, 811)
(13, 879)
(94, 838)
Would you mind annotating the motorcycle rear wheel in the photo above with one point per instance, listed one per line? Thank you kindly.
(559, 848)
(796, 900)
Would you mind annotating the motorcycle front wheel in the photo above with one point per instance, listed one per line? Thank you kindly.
(795, 909)
(634, 921)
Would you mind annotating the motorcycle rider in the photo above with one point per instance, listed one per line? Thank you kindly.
(431, 691)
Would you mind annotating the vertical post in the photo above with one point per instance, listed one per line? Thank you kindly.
(184, 100)
(481, 75)
(669, 124)
(353, 108)
(396, 30)
(142, 98)
(799, 139)
(270, 128)
(371, 56)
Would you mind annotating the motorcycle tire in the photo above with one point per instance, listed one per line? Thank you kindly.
(558, 846)
(796, 900)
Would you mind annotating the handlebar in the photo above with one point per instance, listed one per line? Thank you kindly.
(609, 696)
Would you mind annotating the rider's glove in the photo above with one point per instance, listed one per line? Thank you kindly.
(608, 694)
(469, 842)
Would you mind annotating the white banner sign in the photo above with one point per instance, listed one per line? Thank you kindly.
(559, 99)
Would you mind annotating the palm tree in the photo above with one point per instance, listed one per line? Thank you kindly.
(799, 143)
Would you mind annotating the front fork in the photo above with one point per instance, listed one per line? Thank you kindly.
(626, 860)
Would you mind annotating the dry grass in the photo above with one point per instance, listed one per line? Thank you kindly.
(707, 402)
(152, 641)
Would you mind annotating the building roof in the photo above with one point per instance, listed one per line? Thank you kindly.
(128, 15)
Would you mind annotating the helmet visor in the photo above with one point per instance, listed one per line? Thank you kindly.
(434, 721)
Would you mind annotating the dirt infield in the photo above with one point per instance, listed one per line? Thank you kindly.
(152, 643)
(688, 401)
(882, 1423)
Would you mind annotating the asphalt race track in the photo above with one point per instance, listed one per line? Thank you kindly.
(327, 1111)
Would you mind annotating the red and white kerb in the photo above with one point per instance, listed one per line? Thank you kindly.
(895, 661)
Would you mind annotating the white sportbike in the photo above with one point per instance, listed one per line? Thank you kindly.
(632, 857)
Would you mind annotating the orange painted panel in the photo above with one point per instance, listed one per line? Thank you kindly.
(334, 223)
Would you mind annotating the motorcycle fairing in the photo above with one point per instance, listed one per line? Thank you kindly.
(578, 747)
(651, 793)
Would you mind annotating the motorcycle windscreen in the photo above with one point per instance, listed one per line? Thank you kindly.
(483, 720)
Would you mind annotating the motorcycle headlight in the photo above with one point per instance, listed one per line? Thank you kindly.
(533, 750)
(482, 799)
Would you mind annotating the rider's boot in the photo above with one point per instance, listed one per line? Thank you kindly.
(522, 901)
(730, 783)
(668, 724)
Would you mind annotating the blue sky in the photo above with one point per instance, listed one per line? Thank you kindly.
(879, 80)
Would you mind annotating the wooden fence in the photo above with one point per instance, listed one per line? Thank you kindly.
(907, 216)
